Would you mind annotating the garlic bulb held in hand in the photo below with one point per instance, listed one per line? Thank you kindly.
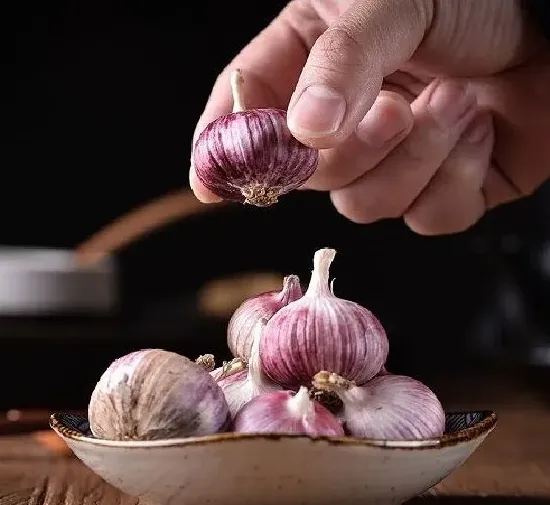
(250, 156)
(155, 394)
(241, 328)
(287, 412)
(389, 407)
(322, 332)
(239, 388)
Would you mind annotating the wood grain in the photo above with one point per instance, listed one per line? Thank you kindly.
(513, 464)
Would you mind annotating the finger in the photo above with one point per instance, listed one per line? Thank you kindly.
(271, 65)
(441, 112)
(385, 125)
(498, 189)
(345, 68)
(453, 200)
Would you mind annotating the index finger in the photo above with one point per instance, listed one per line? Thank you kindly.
(271, 65)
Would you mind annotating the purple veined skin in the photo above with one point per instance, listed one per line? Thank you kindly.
(320, 331)
(251, 313)
(388, 407)
(251, 156)
(287, 412)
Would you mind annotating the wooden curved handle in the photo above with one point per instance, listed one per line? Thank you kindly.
(139, 222)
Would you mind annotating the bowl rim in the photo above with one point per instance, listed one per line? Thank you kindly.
(479, 429)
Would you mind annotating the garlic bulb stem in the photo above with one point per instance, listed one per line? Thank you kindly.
(255, 373)
(237, 90)
(300, 404)
(319, 282)
(239, 388)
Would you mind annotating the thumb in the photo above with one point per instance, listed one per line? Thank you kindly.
(345, 68)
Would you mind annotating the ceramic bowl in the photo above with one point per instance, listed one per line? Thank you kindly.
(248, 469)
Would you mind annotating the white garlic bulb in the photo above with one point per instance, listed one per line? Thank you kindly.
(156, 394)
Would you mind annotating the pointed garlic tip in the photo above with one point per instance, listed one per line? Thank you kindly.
(207, 361)
(330, 381)
(300, 403)
(323, 258)
(319, 282)
(292, 289)
(290, 280)
(237, 81)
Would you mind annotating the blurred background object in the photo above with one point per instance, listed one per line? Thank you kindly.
(44, 281)
(106, 99)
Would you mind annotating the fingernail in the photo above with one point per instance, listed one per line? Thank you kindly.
(318, 111)
(449, 102)
(381, 124)
(476, 131)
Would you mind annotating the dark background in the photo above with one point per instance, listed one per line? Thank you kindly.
(106, 96)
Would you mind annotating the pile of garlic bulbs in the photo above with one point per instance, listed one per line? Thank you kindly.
(293, 350)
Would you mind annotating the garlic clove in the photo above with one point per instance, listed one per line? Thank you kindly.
(287, 412)
(321, 331)
(241, 327)
(250, 156)
(389, 407)
(156, 394)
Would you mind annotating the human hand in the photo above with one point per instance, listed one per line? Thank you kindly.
(383, 161)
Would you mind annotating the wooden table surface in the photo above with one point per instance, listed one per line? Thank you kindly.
(512, 466)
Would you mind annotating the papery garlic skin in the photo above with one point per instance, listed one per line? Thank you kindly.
(156, 394)
(241, 327)
(250, 156)
(240, 387)
(389, 407)
(206, 361)
(287, 412)
(322, 332)
(228, 368)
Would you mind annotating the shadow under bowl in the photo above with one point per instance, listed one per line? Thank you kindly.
(271, 469)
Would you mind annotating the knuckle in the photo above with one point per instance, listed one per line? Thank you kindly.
(414, 153)
(421, 224)
(349, 204)
(355, 205)
(432, 221)
(337, 50)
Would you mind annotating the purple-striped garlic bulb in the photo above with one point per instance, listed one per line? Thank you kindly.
(252, 313)
(322, 332)
(287, 412)
(250, 156)
(388, 407)
(156, 394)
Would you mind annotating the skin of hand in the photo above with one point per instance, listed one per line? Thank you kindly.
(433, 110)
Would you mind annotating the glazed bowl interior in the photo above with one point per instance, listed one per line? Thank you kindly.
(233, 468)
